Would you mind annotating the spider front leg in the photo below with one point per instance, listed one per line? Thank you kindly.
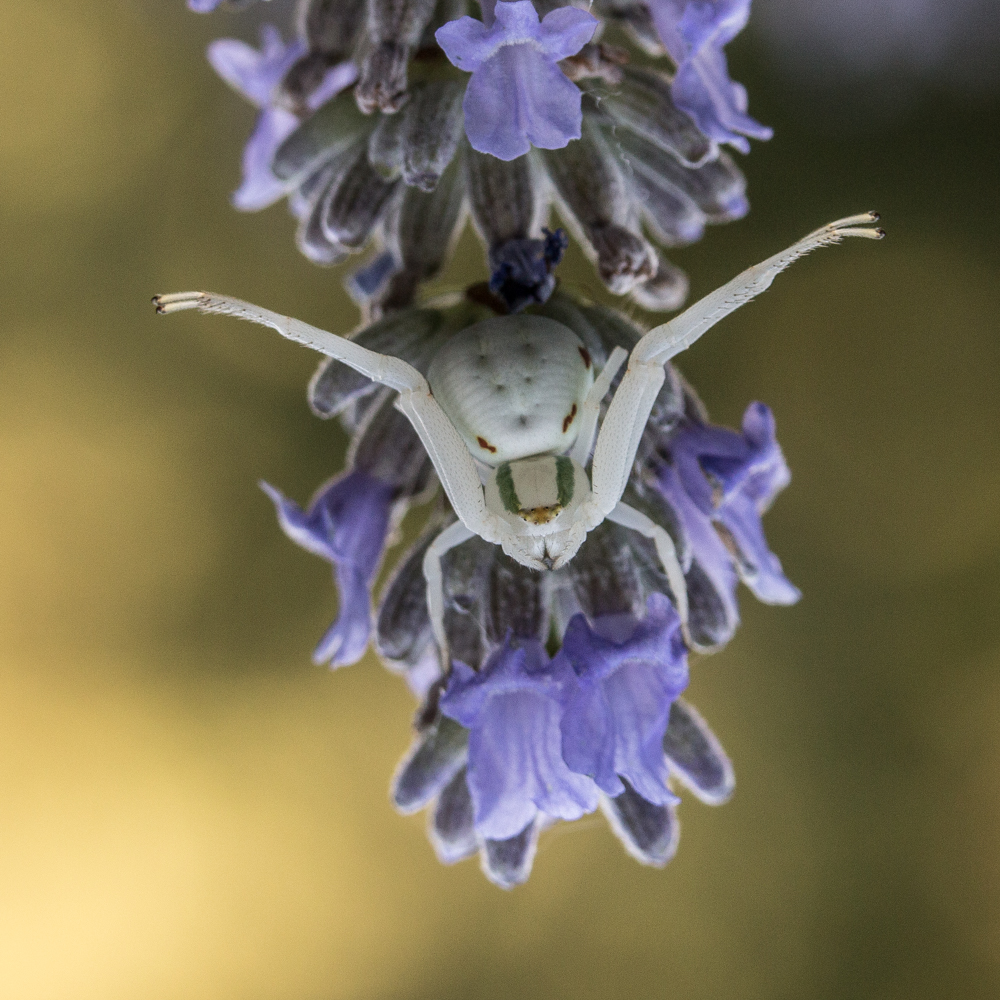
(452, 461)
(626, 418)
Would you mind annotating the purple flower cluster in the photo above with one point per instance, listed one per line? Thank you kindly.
(547, 737)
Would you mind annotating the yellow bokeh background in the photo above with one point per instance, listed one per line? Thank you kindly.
(190, 809)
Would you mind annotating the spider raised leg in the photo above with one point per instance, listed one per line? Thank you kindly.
(518, 395)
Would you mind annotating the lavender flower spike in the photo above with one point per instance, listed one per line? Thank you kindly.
(518, 96)
(628, 673)
(694, 33)
(347, 524)
(257, 75)
(516, 770)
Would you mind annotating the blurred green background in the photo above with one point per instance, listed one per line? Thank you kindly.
(188, 808)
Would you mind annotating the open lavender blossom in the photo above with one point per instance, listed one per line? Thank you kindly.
(518, 96)
(719, 483)
(694, 33)
(516, 772)
(347, 524)
(627, 674)
(257, 75)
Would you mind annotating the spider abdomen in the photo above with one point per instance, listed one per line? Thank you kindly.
(513, 386)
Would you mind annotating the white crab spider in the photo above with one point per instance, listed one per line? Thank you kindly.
(522, 398)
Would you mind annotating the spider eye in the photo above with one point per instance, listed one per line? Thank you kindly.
(540, 515)
(536, 489)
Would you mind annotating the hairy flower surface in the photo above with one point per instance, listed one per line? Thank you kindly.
(518, 96)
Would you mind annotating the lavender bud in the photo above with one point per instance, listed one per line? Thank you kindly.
(309, 237)
(354, 204)
(712, 617)
(438, 754)
(666, 290)
(332, 131)
(673, 217)
(422, 232)
(635, 18)
(718, 188)
(649, 832)
(505, 199)
(330, 26)
(432, 132)
(394, 28)
(518, 602)
(451, 829)
(402, 626)
(507, 863)
(466, 585)
(643, 105)
(388, 448)
(696, 756)
(590, 182)
(604, 575)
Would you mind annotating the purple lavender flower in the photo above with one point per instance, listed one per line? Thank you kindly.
(720, 483)
(516, 772)
(257, 75)
(518, 96)
(694, 33)
(347, 524)
(627, 675)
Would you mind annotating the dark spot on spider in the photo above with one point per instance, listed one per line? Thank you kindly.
(483, 443)
(585, 354)
(569, 419)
